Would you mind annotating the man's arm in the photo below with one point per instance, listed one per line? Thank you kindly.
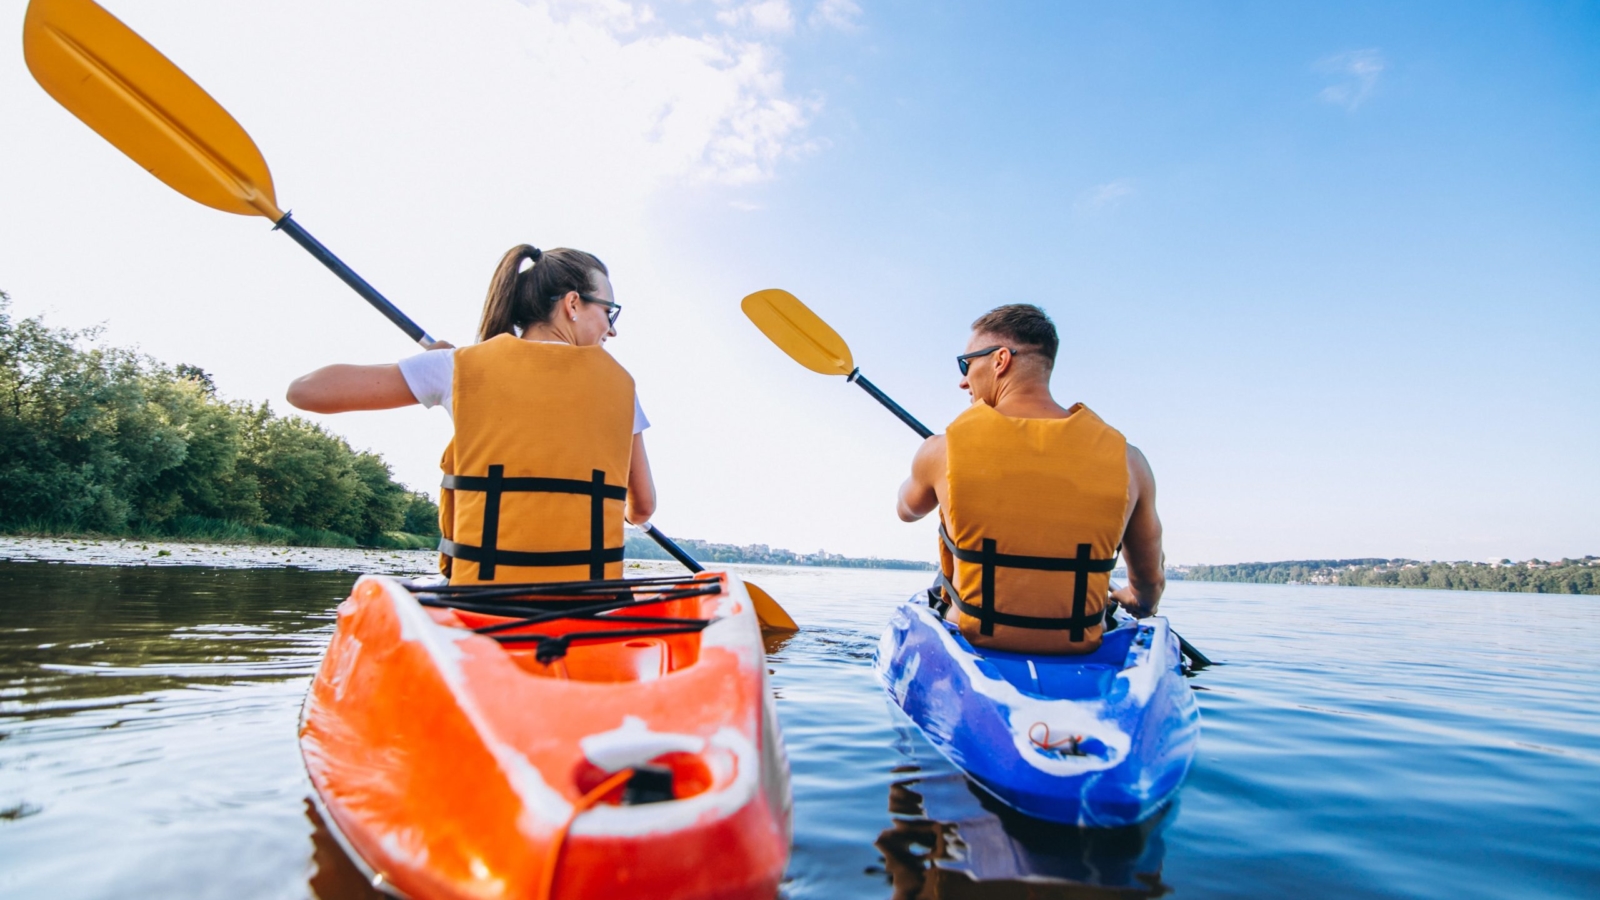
(1141, 542)
(919, 495)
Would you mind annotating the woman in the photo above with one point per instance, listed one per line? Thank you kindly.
(548, 455)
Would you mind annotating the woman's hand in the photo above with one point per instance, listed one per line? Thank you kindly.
(439, 345)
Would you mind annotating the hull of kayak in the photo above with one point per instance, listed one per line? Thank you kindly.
(451, 764)
(1099, 740)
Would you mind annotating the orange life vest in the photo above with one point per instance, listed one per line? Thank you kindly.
(1036, 512)
(536, 476)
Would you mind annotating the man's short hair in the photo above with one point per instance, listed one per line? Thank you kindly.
(1022, 326)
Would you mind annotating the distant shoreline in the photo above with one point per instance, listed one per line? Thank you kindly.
(705, 552)
(1533, 576)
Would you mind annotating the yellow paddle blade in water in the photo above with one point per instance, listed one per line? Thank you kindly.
(772, 616)
(134, 97)
(798, 332)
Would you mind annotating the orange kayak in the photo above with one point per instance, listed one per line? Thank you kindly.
(591, 739)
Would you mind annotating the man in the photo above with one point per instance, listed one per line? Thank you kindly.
(1036, 501)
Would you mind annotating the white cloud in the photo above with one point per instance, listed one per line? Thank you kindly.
(840, 14)
(1356, 77)
(1106, 196)
(707, 107)
(769, 16)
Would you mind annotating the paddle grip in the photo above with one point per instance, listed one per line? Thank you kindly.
(881, 397)
(369, 293)
(673, 549)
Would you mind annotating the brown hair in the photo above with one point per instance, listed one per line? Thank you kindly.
(1022, 325)
(521, 297)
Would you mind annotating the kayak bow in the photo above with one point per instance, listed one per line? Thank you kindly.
(581, 740)
(1101, 740)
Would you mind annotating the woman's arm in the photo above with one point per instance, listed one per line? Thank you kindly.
(344, 388)
(641, 486)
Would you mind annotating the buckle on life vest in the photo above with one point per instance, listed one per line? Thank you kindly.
(990, 559)
(495, 484)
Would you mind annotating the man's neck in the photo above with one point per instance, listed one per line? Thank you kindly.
(1027, 400)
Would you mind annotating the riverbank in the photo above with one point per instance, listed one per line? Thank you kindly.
(115, 552)
(222, 556)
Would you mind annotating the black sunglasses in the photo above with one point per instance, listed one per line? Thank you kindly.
(613, 310)
(964, 361)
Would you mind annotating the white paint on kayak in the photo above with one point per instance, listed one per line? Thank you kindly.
(1023, 712)
(634, 744)
(672, 815)
(543, 807)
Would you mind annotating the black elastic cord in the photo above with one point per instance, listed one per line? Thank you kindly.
(552, 647)
(543, 603)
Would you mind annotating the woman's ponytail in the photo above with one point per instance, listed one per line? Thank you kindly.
(521, 297)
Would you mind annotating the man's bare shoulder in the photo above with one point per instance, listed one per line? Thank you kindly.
(1141, 480)
(930, 456)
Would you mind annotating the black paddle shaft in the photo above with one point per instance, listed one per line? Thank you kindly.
(671, 546)
(369, 293)
(922, 430)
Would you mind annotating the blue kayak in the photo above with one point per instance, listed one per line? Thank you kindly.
(1100, 740)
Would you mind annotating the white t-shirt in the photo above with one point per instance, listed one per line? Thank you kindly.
(431, 376)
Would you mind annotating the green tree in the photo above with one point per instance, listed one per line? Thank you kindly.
(103, 439)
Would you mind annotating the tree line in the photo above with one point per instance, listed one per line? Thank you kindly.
(104, 440)
(1565, 576)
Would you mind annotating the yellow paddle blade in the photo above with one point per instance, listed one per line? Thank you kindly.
(772, 616)
(138, 100)
(798, 332)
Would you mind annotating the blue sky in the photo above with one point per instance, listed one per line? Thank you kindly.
(1333, 267)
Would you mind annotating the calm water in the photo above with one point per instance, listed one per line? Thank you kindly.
(1357, 743)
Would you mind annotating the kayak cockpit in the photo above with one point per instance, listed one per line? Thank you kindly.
(606, 632)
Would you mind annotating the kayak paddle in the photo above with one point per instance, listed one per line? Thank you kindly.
(772, 616)
(134, 97)
(813, 343)
(130, 94)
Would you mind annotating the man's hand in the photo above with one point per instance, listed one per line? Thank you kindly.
(1128, 600)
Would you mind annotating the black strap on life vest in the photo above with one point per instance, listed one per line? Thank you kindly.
(989, 559)
(496, 484)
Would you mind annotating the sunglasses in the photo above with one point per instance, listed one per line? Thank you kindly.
(613, 310)
(964, 361)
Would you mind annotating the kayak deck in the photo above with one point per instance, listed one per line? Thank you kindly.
(1102, 739)
(591, 739)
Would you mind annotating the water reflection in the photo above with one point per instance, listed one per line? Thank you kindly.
(333, 875)
(940, 846)
(950, 838)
